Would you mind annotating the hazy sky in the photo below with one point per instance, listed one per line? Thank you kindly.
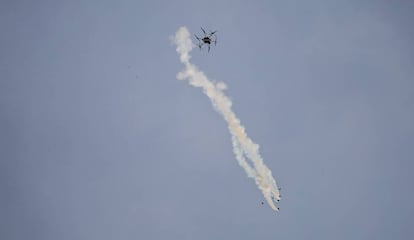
(99, 140)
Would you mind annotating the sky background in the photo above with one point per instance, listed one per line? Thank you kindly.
(99, 140)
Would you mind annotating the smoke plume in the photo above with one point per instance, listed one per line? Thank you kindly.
(245, 150)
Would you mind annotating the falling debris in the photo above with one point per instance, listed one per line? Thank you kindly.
(243, 147)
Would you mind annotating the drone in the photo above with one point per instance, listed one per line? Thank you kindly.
(207, 39)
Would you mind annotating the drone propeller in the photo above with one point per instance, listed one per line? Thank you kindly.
(213, 32)
(203, 31)
(197, 37)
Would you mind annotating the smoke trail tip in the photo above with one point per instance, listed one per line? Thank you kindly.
(184, 44)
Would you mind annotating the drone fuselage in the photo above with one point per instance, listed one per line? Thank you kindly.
(206, 40)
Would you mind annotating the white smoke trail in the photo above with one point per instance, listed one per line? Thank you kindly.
(243, 147)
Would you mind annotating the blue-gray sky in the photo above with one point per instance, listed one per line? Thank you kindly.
(99, 140)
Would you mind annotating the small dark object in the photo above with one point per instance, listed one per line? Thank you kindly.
(207, 39)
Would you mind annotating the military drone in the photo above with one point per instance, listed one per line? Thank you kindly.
(207, 39)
